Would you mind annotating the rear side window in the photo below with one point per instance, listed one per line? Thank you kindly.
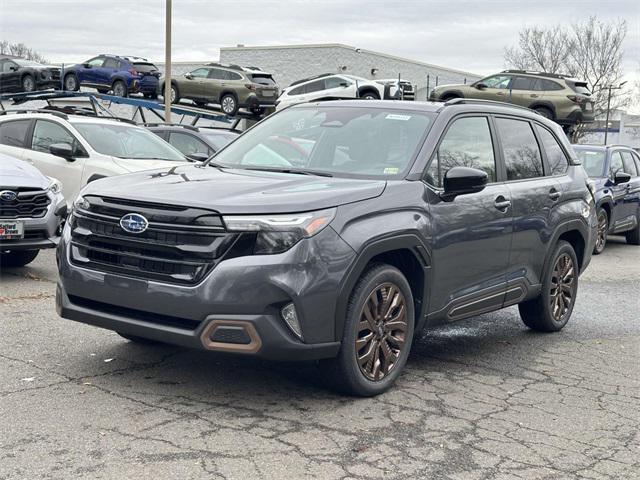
(522, 83)
(556, 158)
(519, 149)
(232, 75)
(14, 133)
(188, 144)
(297, 91)
(467, 143)
(47, 133)
(111, 63)
(616, 164)
(314, 86)
(546, 85)
(629, 165)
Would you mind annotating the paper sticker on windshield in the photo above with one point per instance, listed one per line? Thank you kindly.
(391, 170)
(395, 116)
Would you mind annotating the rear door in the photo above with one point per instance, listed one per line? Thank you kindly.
(211, 85)
(534, 197)
(13, 137)
(105, 73)
(46, 133)
(632, 199)
(472, 233)
(523, 91)
(621, 209)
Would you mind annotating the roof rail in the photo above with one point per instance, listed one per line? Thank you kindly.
(35, 110)
(160, 124)
(477, 101)
(540, 74)
(302, 80)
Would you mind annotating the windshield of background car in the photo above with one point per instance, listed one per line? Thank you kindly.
(127, 141)
(219, 139)
(342, 141)
(592, 161)
(26, 63)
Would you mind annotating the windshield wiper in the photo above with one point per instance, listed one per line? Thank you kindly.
(296, 171)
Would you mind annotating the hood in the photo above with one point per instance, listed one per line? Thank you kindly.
(132, 165)
(16, 173)
(449, 85)
(236, 191)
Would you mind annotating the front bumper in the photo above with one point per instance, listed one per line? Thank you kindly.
(248, 291)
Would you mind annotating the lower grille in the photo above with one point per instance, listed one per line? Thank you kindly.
(27, 204)
(180, 252)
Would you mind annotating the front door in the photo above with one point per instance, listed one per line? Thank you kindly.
(497, 88)
(191, 86)
(45, 134)
(471, 233)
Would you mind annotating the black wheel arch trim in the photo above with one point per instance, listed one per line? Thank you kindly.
(570, 225)
(95, 176)
(544, 104)
(449, 93)
(373, 248)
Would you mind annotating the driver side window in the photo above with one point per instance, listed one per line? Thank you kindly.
(96, 62)
(497, 81)
(467, 143)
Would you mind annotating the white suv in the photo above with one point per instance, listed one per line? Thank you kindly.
(329, 86)
(78, 149)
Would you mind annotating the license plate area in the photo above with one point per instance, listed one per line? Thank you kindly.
(11, 230)
(268, 93)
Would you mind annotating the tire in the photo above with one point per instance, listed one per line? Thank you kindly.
(346, 372)
(139, 340)
(633, 236)
(120, 89)
(17, 258)
(229, 104)
(71, 83)
(28, 83)
(545, 112)
(175, 93)
(603, 229)
(540, 313)
(370, 96)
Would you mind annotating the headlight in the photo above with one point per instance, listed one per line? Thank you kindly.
(55, 186)
(278, 233)
(80, 203)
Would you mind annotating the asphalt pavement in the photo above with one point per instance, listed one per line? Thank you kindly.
(480, 399)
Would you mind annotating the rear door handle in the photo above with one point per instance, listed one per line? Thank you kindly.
(502, 203)
(554, 194)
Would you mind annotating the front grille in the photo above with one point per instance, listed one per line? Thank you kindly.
(181, 245)
(28, 204)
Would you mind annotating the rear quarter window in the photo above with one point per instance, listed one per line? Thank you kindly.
(556, 158)
(14, 133)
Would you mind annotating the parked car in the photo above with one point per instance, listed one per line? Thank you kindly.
(565, 100)
(330, 86)
(78, 149)
(22, 75)
(397, 89)
(615, 170)
(230, 86)
(401, 215)
(32, 211)
(119, 74)
(191, 140)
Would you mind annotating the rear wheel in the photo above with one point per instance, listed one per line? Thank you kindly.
(377, 334)
(603, 228)
(17, 258)
(229, 104)
(120, 89)
(545, 112)
(370, 96)
(71, 82)
(550, 311)
(28, 83)
(175, 94)
(633, 236)
(138, 340)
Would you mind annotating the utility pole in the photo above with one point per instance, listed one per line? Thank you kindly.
(167, 63)
(606, 124)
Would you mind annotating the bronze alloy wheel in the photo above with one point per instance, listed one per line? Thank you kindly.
(381, 332)
(601, 237)
(562, 292)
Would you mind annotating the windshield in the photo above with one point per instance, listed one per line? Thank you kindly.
(592, 161)
(26, 63)
(348, 141)
(218, 139)
(127, 141)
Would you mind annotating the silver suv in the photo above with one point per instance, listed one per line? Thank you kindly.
(32, 211)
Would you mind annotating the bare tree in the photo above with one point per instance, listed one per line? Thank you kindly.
(20, 50)
(590, 51)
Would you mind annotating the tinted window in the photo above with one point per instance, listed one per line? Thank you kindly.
(187, 144)
(334, 82)
(201, 73)
(145, 67)
(111, 63)
(262, 79)
(14, 133)
(6, 66)
(556, 158)
(232, 75)
(629, 165)
(314, 86)
(592, 161)
(636, 158)
(216, 74)
(219, 139)
(497, 81)
(616, 164)
(549, 84)
(467, 143)
(96, 62)
(298, 90)
(47, 133)
(523, 83)
(519, 149)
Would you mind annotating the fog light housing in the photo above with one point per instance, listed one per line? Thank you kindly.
(290, 316)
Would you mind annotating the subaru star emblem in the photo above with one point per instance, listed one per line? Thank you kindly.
(8, 195)
(134, 223)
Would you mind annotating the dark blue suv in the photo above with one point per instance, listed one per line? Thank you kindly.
(122, 75)
(615, 170)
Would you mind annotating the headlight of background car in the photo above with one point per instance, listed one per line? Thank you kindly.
(55, 186)
(278, 233)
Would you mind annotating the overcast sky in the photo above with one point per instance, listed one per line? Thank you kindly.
(465, 35)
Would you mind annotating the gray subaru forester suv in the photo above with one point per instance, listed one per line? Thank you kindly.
(334, 231)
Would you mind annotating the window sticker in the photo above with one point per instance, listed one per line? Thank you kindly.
(391, 170)
(395, 116)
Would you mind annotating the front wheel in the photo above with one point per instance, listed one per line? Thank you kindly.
(17, 258)
(377, 334)
(603, 229)
(370, 96)
(28, 83)
(71, 83)
(550, 311)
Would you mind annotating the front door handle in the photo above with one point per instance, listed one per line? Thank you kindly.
(554, 194)
(533, 95)
(502, 203)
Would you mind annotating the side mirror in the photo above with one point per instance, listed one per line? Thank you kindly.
(188, 76)
(63, 150)
(480, 86)
(13, 69)
(197, 157)
(86, 65)
(462, 180)
(344, 84)
(621, 177)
